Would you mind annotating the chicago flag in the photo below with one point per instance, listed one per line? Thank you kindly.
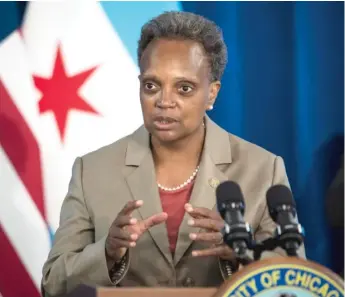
(68, 85)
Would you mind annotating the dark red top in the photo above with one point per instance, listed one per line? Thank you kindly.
(173, 204)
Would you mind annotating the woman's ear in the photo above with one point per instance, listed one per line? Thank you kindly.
(214, 89)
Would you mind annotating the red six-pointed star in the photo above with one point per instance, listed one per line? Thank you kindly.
(60, 93)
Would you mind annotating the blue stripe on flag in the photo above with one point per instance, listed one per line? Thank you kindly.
(51, 235)
(127, 18)
(11, 16)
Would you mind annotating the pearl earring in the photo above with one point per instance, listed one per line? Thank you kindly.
(211, 107)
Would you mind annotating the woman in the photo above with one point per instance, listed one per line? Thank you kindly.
(141, 211)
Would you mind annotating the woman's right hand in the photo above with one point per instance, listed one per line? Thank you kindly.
(125, 231)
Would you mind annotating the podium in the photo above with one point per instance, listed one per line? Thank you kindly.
(84, 291)
(274, 277)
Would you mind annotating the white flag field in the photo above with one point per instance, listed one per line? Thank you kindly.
(68, 85)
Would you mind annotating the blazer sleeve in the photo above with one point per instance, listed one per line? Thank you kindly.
(75, 258)
(267, 226)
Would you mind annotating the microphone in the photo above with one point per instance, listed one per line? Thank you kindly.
(282, 209)
(237, 234)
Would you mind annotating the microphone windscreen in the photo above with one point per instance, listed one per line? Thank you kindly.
(278, 195)
(228, 192)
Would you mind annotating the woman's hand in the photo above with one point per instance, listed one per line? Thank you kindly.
(212, 223)
(125, 230)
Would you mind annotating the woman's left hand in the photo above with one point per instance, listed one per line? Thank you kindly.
(213, 223)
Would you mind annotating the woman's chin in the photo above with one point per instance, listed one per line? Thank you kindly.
(166, 136)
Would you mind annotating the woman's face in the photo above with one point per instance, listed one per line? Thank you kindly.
(175, 88)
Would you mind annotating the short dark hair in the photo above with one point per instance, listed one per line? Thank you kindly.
(190, 26)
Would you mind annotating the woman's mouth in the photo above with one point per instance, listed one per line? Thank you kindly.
(164, 123)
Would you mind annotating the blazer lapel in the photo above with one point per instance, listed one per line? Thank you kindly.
(216, 152)
(143, 186)
(203, 195)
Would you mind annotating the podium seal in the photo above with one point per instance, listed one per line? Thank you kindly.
(286, 277)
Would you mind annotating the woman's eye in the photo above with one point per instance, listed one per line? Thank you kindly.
(150, 86)
(185, 89)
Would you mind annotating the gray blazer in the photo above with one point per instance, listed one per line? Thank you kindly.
(104, 180)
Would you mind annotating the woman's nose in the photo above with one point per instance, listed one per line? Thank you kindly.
(165, 100)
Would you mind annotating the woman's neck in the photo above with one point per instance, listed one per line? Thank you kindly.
(187, 150)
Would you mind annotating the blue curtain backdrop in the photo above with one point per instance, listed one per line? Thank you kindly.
(283, 89)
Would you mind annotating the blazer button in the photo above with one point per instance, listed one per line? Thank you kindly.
(189, 282)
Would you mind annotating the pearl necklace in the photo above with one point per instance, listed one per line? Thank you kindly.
(188, 181)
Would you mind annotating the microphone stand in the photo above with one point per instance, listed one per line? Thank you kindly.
(239, 238)
(288, 244)
(267, 245)
(258, 248)
(244, 260)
